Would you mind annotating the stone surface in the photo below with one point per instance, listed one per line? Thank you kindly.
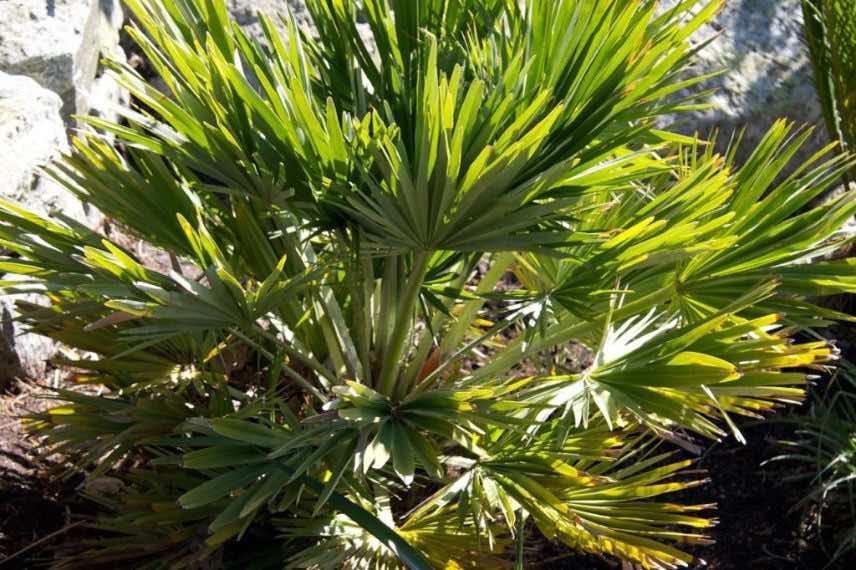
(31, 134)
(58, 43)
(22, 355)
(767, 71)
(245, 13)
(105, 95)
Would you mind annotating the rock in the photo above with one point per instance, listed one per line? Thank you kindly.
(22, 355)
(245, 13)
(103, 486)
(106, 96)
(768, 73)
(31, 134)
(59, 43)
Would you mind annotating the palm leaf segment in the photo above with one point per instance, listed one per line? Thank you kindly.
(312, 363)
(829, 30)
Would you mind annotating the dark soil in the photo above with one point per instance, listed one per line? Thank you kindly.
(30, 510)
(32, 506)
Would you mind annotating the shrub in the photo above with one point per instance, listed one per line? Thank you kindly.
(826, 448)
(423, 300)
(830, 32)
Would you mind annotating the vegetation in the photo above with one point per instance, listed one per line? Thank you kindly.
(425, 299)
(830, 32)
(826, 442)
(826, 446)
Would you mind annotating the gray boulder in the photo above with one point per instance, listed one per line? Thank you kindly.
(59, 43)
(245, 13)
(767, 71)
(31, 135)
(22, 355)
(105, 96)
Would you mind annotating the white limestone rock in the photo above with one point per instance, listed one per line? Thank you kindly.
(105, 96)
(31, 135)
(767, 71)
(59, 43)
(22, 355)
(245, 13)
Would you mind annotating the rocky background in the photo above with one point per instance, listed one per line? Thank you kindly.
(50, 54)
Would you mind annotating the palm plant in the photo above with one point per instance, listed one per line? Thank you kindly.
(360, 357)
(826, 447)
(830, 33)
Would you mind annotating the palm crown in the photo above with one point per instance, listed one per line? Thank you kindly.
(383, 254)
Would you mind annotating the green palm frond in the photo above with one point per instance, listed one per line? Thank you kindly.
(830, 29)
(583, 491)
(377, 242)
